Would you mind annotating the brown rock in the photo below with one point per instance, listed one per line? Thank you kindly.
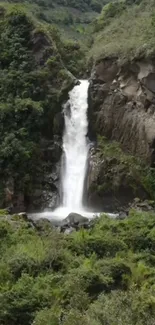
(122, 105)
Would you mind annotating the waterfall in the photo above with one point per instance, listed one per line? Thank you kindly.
(75, 155)
(75, 147)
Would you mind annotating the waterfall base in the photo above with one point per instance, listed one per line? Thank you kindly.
(61, 213)
(75, 158)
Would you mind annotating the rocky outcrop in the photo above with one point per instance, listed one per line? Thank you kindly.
(142, 206)
(114, 180)
(122, 105)
(75, 220)
(46, 194)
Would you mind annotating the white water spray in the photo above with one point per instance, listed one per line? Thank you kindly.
(74, 162)
(75, 155)
(75, 146)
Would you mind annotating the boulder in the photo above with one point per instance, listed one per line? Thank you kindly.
(69, 230)
(122, 215)
(75, 220)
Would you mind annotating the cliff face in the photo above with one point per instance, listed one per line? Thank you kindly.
(122, 105)
(122, 109)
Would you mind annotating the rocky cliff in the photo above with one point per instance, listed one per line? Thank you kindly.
(122, 109)
(122, 105)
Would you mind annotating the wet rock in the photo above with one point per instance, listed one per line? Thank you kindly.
(52, 149)
(75, 220)
(122, 215)
(45, 195)
(69, 230)
(19, 204)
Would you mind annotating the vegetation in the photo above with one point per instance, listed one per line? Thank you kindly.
(33, 84)
(71, 17)
(121, 170)
(96, 276)
(126, 29)
(104, 275)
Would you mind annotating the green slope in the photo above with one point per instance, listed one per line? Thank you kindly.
(33, 83)
(70, 16)
(125, 29)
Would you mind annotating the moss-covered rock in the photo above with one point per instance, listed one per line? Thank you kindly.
(116, 178)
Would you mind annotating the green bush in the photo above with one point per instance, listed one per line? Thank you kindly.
(31, 93)
(100, 275)
(109, 11)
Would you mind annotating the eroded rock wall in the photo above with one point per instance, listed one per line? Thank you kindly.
(122, 105)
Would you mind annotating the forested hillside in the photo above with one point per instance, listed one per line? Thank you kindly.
(125, 28)
(71, 17)
(34, 82)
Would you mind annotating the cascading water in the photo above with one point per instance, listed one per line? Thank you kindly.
(75, 146)
(75, 155)
(75, 152)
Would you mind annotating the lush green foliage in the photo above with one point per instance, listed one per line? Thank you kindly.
(111, 10)
(33, 84)
(124, 168)
(70, 16)
(126, 29)
(94, 276)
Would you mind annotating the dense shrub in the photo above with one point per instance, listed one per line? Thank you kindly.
(109, 11)
(48, 277)
(31, 92)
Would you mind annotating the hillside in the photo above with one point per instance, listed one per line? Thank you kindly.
(71, 17)
(34, 82)
(126, 29)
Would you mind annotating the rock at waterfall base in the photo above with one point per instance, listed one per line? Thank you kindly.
(75, 220)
